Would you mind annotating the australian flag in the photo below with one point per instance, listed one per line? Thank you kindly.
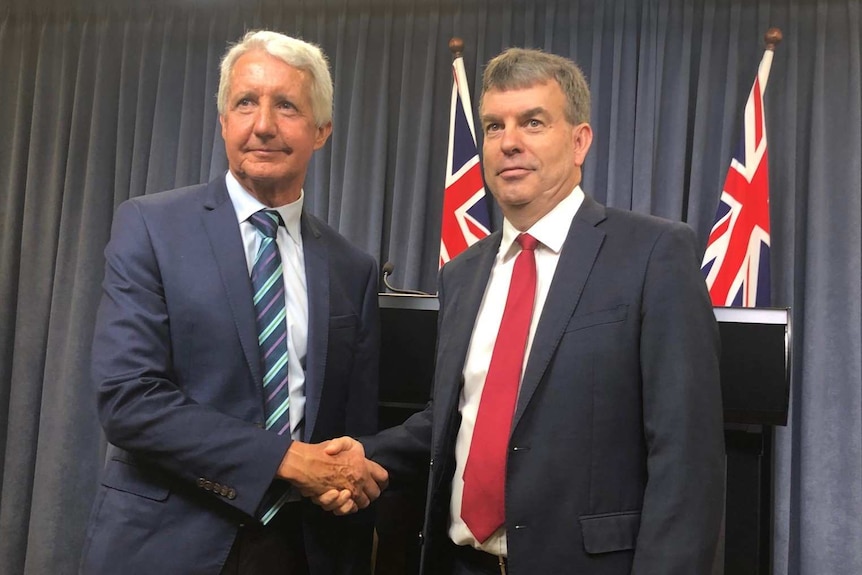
(736, 261)
(466, 218)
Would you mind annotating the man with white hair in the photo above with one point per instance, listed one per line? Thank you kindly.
(236, 333)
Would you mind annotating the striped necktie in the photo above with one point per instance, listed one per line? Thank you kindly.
(267, 280)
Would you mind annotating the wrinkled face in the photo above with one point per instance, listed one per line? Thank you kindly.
(268, 127)
(532, 155)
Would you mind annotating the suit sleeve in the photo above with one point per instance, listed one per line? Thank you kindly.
(682, 413)
(142, 409)
(362, 412)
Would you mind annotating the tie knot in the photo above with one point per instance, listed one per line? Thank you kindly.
(527, 242)
(266, 222)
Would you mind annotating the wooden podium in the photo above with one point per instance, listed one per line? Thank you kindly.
(755, 367)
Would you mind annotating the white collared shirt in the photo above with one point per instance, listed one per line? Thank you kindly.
(289, 241)
(551, 232)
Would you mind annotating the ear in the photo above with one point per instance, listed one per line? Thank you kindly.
(582, 136)
(221, 121)
(323, 133)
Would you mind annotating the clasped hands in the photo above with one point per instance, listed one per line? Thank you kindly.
(334, 474)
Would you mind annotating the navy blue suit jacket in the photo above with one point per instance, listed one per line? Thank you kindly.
(178, 376)
(616, 453)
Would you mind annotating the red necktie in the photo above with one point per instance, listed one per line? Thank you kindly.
(482, 505)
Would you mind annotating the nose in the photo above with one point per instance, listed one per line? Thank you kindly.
(510, 141)
(264, 125)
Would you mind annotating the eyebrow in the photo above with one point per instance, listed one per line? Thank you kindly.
(237, 96)
(537, 111)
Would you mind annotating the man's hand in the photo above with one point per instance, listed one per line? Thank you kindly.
(340, 502)
(335, 474)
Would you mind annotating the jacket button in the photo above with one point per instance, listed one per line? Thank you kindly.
(208, 485)
(421, 538)
(201, 481)
(223, 491)
(431, 462)
(231, 493)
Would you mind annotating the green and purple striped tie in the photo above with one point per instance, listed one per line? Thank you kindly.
(267, 280)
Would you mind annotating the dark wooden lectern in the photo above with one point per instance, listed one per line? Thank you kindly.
(755, 369)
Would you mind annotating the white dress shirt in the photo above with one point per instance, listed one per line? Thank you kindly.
(289, 241)
(551, 232)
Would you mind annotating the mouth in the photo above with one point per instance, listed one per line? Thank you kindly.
(268, 153)
(513, 172)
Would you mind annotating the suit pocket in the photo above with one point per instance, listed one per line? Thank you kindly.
(601, 317)
(129, 478)
(609, 532)
(342, 321)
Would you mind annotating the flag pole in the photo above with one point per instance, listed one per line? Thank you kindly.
(773, 38)
(456, 46)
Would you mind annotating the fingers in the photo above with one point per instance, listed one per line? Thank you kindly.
(338, 502)
(370, 489)
(378, 474)
(373, 480)
(339, 444)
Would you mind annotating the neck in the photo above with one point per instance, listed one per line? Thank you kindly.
(524, 216)
(269, 193)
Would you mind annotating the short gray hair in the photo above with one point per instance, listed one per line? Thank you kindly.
(296, 53)
(519, 68)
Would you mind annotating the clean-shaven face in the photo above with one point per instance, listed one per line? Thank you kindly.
(268, 126)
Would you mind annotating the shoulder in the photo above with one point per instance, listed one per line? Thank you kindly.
(645, 227)
(170, 200)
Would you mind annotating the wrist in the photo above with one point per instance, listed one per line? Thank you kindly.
(291, 464)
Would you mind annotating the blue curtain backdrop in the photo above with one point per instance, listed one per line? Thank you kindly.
(105, 100)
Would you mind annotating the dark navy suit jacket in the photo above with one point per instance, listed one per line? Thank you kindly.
(178, 376)
(616, 454)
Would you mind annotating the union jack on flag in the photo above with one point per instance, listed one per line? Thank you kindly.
(736, 261)
(466, 218)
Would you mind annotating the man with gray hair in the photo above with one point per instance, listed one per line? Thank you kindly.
(237, 332)
(576, 423)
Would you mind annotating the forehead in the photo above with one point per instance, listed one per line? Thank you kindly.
(547, 95)
(262, 71)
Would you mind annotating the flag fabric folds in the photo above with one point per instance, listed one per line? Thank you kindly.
(466, 218)
(736, 261)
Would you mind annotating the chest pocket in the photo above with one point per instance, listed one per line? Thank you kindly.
(611, 315)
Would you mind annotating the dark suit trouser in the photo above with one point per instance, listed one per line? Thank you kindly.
(275, 549)
(469, 561)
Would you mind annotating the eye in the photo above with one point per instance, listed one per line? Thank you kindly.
(492, 127)
(534, 123)
(244, 103)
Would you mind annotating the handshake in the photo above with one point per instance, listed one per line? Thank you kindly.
(334, 474)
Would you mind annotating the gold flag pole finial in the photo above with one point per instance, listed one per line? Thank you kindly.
(772, 38)
(456, 46)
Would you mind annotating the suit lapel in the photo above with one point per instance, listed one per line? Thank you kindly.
(219, 219)
(463, 295)
(576, 261)
(317, 280)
